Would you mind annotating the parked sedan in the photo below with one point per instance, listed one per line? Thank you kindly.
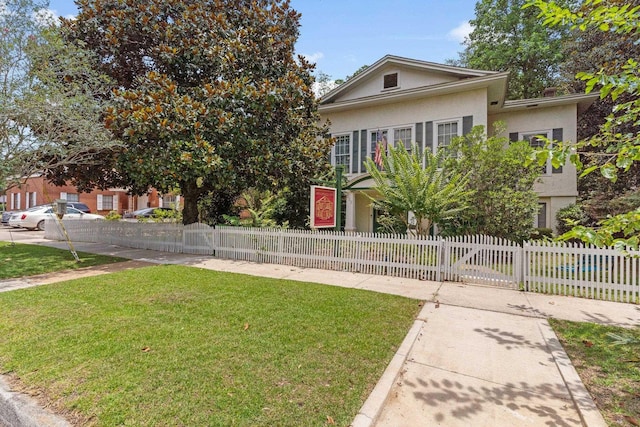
(34, 218)
(5, 217)
(146, 212)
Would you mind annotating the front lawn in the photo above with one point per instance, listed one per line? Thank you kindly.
(610, 371)
(19, 260)
(174, 345)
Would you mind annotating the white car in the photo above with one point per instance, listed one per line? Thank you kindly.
(34, 218)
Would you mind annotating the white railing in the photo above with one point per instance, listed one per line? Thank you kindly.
(549, 267)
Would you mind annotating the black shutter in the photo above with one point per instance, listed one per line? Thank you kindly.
(428, 136)
(330, 151)
(419, 138)
(557, 136)
(354, 152)
(363, 149)
(467, 124)
(513, 137)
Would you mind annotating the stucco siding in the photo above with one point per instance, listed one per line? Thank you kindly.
(407, 79)
(545, 119)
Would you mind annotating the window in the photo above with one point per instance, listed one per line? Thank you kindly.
(70, 197)
(107, 203)
(402, 136)
(390, 81)
(535, 141)
(541, 220)
(379, 136)
(15, 201)
(445, 132)
(170, 201)
(30, 199)
(341, 152)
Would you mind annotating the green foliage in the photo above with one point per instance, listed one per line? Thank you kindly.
(569, 216)
(258, 210)
(391, 224)
(113, 216)
(506, 37)
(163, 215)
(503, 202)
(619, 148)
(208, 97)
(411, 182)
(541, 234)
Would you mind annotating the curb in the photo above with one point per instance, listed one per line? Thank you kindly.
(587, 409)
(372, 407)
(19, 410)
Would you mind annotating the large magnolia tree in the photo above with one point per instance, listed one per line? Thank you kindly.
(208, 97)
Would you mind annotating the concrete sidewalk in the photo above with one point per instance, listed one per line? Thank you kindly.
(477, 355)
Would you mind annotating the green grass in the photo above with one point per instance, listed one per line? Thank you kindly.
(19, 260)
(173, 345)
(610, 372)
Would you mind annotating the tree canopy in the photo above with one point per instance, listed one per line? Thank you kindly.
(208, 96)
(409, 182)
(506, 37)
(43, 122)
(503, 201)
(617, 139)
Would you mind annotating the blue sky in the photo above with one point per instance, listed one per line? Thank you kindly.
(342, 35)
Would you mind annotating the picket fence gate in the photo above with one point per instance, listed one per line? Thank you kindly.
(535, 266)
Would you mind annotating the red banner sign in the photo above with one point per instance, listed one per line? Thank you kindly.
(323, 207)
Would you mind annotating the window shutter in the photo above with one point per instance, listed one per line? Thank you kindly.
(428, 133)
(467, 124)
(363, 149)
(513, 137)
(355, 146)
(115, 202)
(557, 136)
(419, 138)
(99, 202)
(330, 156)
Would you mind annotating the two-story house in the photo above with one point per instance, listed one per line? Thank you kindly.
(408, 101)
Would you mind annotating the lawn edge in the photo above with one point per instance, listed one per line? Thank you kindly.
(372, 407)
(582, 400)
(20, 410)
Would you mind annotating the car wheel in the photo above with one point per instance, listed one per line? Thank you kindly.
(41, 225)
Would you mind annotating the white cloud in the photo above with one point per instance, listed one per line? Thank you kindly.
(45, 17)
(313, 58)
(461, 32)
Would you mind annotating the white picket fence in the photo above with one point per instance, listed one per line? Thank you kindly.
(549, 267)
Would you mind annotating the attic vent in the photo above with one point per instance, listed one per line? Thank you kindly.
(390, 80)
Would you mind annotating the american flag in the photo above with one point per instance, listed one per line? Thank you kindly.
(381, 144)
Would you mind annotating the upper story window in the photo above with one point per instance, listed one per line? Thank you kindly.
(536, 141)
(402, 136)
(390, 81)
(378, 137)
(341, 151)
(446, 131)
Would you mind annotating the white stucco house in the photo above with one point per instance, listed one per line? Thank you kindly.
(412, 101)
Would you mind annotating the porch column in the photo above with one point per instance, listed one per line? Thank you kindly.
(350, 220)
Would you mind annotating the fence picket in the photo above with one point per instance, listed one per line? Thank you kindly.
(549, 267)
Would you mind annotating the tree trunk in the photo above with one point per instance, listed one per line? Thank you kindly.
(191, 194)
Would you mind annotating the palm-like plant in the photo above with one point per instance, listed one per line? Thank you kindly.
(410, 182)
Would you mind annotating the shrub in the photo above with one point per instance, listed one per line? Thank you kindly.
(569, 216)
(541, 234)
(113, 216)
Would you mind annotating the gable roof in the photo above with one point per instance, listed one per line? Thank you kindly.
(449, 79)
